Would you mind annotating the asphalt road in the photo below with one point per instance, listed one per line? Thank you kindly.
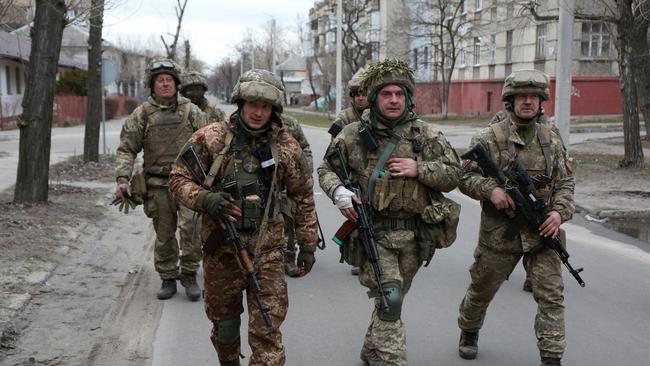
(607, 322)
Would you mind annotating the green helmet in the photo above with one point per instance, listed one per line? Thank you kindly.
(259, 85)
(161, 66)
(526, 82)
(389, 71)
(354, 85)
(189, 78)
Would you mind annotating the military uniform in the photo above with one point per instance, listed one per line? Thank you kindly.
(350, 114)
(195, 78)
(397, 205)
(160, 130)
(261, 225)
(541, 152)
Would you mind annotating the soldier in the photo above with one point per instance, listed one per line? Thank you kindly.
(524, 134)
(409, 163)
(287, 205)
(160, 127)
(193, 87)
(252, 154)
(359, 103)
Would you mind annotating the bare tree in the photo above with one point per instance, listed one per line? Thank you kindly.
(36, 120)
(171, 48)
(94, 83)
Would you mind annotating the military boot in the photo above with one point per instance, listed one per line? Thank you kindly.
(290, 268)
(192, 290)
(551, 361)
(468, 345)
(354, 270)
(528, 287)
(167, 289)
(370, 358)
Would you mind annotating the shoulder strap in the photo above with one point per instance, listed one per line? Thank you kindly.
(502, 133)
(216, 164)
(544, 138)
(269, 199)
(390, 147)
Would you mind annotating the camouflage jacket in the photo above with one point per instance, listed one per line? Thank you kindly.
(345, 117)
(214, 114)
(437, 162)
(292, 172)
(293, 127)
(559, 193)
(134, 132)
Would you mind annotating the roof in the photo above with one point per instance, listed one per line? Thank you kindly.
(14, 47)
(293, 64)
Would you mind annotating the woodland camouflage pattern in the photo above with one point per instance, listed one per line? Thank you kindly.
(495, 258)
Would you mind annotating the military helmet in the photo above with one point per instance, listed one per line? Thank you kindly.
(259, 85)
(526, 82)
(189, 78)
(161, 66)
(354, 85)
(389, 71)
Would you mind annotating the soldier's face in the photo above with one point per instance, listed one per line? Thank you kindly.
(526, 105)
(164, 86)
(256, 114)
(391, 101)
(194, 93)
(361, 100)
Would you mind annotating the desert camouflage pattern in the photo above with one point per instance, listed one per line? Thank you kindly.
(495, 257)
(439, 170)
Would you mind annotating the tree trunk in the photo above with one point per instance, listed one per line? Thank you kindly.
(641, 59)
(631, 134)
(36, 120)
(94, 83)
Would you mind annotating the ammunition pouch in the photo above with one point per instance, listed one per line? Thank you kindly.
(252, 208)
(438, 224)
(139, 185)
(352, 251)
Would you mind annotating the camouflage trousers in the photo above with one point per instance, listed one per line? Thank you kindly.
(399, 259)
(488, 272)
(290, 234)
(167, 216)
(224, 284)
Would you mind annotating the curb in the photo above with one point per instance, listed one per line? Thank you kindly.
(613, 214)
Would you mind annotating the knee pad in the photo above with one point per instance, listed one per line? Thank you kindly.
(394, 296)
(227, 330)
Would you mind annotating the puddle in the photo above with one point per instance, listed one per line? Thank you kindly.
(639, 229)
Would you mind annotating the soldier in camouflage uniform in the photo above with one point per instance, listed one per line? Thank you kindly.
(524, 134)
(359, 103)
(193, 87)
(252, 153)
(421, 166)
(160, 127)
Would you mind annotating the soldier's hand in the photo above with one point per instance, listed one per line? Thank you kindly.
(306, 259)
(551, 225)
(501, 200)
(343, 200)
(402, 167)
(123, 190)
(219, 205)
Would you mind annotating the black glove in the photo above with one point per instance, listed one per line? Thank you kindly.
(306, 259)
(216, 204)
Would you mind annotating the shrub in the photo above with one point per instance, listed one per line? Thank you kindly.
(111, 106)
(72, 82)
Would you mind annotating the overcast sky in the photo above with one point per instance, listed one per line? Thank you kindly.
(212, 26)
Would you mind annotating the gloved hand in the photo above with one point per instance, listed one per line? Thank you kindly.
(217, 204)
(342, 197)
(306, 259)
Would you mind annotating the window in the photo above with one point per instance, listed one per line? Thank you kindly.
(493, 49)
(509, 46)
(19, 88)
(478, 5)
(477, 51)
(8, 79)
(426, 56)
(540, 48)
(461, 54)
(510, 11)
(493, 14)
(415, 59)
(595, 40)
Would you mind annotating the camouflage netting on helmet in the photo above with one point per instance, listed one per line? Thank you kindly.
(259, 85)
(161, 66)
(189, 78)
(389, 71)
(526, 82)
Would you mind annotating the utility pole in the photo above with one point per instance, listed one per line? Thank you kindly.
(339, 53)
(563, 70)
(273, 46)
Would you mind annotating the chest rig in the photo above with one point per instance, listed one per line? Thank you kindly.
(528, 155)
(249, 177)
(166, 130)
(393, 197)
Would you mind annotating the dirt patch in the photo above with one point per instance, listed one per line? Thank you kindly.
(74, 169)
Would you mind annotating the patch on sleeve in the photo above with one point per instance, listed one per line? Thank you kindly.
(568, 166)
(466, 162)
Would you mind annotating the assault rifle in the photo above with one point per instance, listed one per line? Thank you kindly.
(364, 225)
(530, 206)
(190, 158)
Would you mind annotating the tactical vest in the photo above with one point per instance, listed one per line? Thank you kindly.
(395, 197)
(528, 156)
(166, 130)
